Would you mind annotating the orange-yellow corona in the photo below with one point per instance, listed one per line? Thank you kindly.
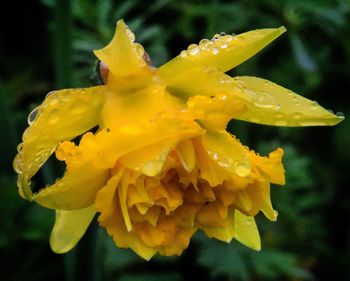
(161, 165)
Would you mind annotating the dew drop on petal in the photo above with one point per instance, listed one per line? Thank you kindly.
(204, 44)
(32, 115)
(184, 54)
(276, 213)
(224, 46)
(215, 51)
(49, 94)
(193, 49)
(340, 114)
(19, 147)
(216, 37)
(242, 169)
(314, 105)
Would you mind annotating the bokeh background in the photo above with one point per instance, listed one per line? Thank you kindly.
(47, 45)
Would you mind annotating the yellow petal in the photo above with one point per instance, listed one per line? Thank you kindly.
(225, 232)
(122, 56)
(271, 168)
(266, 206)
(122, 192)
(107, 203)
(246, 231)
(271, 104)
(69, 227)
(63, 115)
(131, 137)
(186, 154)
(145, 103)
(180, 242)
(227, 152)
(76, 190)
(223, 54)
(150, 159)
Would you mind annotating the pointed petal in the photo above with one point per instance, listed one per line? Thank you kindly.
(270, 104)
(69, 227)
(266, 206)
(228, 152)
(63, 115)
(185, 152)
(76, 190)
(246, 231)
(223, 54)
(122, 56)
(225, 232)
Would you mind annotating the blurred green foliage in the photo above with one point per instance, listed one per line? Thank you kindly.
(310, 241)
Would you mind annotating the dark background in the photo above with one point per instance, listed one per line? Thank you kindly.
(47, 45)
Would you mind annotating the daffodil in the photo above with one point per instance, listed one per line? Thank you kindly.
(161, 164)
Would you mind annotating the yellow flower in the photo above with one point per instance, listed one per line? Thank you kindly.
(161, 165)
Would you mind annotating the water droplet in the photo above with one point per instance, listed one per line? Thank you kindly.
(340, 114)
(204, 44)
(216, 37)
(275, 213)
(228, 38)
(242, 169)
(222, 34)
(215, 51)
(184, 54)
(49, 94)
(215, 156)
(314, 105)
(193, 49)
(32, 115)
(152, 168)
(19, 147)
(139, 49)
(130, 35)
(224, 46)
(330, 111)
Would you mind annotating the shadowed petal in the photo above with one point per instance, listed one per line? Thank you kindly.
(77, 189)
(69, 227)
(246, 231)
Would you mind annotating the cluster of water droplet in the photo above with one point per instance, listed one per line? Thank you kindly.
(218, 43)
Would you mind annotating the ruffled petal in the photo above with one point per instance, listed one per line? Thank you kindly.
(270, 168)
(128, 138)
(69, 227)
(224, 53)
(107, 203)
(246, 231)
(270, 104)
(122, 56)
(63, 115)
